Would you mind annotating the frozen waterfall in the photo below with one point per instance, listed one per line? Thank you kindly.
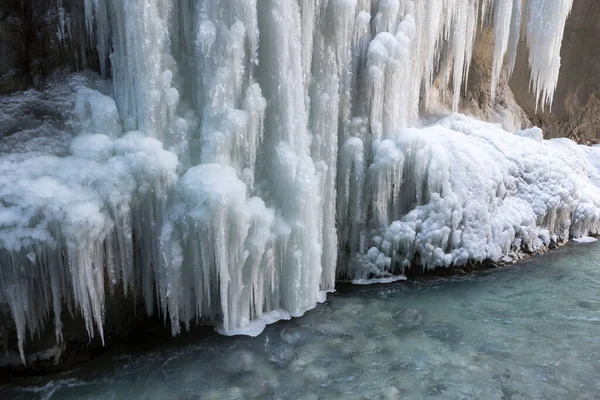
(248, 153)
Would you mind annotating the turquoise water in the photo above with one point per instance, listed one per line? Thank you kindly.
(529, 331)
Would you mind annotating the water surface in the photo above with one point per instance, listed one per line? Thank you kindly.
(529, 331)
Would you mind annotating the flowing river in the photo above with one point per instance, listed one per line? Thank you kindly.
(528, 331)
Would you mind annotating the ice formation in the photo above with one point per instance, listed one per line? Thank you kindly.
(250, 153)
(70, 205)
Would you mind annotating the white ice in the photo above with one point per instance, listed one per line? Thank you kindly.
(68, 205)
(586, 239)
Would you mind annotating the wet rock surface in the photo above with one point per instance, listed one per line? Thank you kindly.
(44, 353)
(37, 37)
(34, 44)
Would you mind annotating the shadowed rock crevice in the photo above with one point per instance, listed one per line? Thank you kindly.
(575, 112)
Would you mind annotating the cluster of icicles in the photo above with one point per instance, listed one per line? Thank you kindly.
(286, 117)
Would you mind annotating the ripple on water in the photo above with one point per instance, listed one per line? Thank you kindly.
(514, 333)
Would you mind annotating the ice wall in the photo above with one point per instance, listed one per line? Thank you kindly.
(472, 192)
(251, 152)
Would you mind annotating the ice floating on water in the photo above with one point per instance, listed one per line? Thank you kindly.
(251, 152)
(66, 220)
(586, 239)
(471, 191)
(374, 281)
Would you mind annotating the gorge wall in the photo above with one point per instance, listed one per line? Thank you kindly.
(31, 50)
(229, 160)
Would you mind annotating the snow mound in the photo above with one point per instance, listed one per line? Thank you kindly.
(69, 207)
(471, 191)
(586, 239)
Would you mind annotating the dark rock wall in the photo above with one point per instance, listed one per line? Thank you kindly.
(33, 46)
(34, 43)
(13, 69)
(45, 353)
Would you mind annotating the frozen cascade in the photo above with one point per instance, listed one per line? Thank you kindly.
(70, 205)
(249, 153)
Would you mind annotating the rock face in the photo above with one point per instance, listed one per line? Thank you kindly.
(44, 353)
(576, 110)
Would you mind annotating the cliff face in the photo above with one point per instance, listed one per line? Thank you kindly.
(476, 99)
(576, 110)
(37, 38)
(13, 70)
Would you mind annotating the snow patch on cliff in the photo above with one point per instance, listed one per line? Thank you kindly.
(69, 205)
(471, 192)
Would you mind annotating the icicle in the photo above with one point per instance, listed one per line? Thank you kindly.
(502, 30)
